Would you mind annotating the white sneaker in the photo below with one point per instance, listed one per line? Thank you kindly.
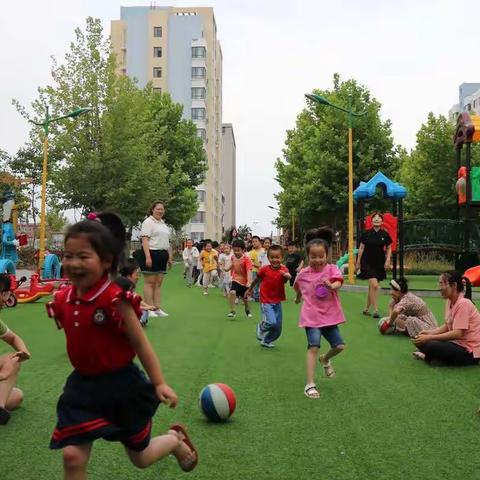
(205, 292)
(152, 314)
(161, 313)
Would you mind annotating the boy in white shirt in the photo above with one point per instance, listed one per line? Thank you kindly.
(190, 257)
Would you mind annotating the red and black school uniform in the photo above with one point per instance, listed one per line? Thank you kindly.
(107, 395)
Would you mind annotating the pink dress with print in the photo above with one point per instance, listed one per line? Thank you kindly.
(319, 312)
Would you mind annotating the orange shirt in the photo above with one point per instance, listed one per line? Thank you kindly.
(464, 316)
(240, 268)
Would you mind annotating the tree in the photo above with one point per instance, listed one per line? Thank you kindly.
(112, 158)
(429, 172)
(313, 174)
(243, 231)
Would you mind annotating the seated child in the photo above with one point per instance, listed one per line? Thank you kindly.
(10, 396)
(130, 273)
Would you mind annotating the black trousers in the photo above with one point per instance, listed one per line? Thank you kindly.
(448, 353)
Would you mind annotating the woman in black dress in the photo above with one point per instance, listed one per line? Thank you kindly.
(373, 259)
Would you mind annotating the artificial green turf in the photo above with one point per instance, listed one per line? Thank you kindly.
(384, 416)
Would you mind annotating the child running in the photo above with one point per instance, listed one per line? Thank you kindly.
(321, 312)
(241, 269)
(272, 280)
(190, 256)
(209, 259)
(255, 254)
(293, 261)
(107, 395)
(224, 264)
(263, 257)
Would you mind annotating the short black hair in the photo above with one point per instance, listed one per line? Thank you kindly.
(238, 243)
(292, 243)
(274, 248)
(106, 234)
(267, 238)
(257, 237)
(129, 267)
(125, 284)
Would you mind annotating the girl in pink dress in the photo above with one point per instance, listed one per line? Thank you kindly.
(321, 311)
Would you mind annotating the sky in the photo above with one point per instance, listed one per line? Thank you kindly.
(411, 55)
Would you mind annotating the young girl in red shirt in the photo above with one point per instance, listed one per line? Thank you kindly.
(107, 395)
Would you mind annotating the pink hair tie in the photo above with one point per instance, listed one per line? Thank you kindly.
(92, 216)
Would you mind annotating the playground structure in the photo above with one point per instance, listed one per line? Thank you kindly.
(468, 194)
(9, 257)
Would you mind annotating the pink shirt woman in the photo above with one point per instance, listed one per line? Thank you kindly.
(457, 342)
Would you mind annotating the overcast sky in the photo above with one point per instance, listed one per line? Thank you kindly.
(412, 55)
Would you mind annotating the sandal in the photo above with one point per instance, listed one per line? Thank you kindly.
(311, 391)
(367, 313)
(189, 465)
(327, 367)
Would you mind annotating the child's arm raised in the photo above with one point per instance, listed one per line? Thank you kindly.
(146, 354)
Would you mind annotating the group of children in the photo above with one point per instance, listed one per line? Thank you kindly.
(107, 396)
(261, 273)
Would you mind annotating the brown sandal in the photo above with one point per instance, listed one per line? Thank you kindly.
(181, 429)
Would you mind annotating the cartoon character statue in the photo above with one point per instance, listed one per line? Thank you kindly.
(9, 242)
(461, 185)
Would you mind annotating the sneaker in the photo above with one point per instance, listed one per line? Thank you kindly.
(153, 314)
(260, 333)
(231, 314)
(236, 301)
(265, 344)
(205, 292)
(161, 313)
(249, 314)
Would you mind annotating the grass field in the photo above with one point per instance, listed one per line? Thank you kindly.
(384, 416)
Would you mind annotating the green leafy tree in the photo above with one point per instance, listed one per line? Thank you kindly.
(313, 173)
(112, 158)
(430, 171)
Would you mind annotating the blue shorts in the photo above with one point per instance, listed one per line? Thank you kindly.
(331, 334)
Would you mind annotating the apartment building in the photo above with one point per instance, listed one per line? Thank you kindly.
(178, 51)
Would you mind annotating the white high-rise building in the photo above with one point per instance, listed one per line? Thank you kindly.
(178, 51)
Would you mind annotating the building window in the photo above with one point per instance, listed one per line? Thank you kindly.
(202, 133)
(199, 113)
(199, 92)
(198, 218)
(202, 195)
(199, 73)
(157, 32)
(157, 90)
(199, 52)
(157, 72)
(157, 52)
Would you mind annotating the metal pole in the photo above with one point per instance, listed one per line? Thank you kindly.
(400, 235)
(351, 261)
(468, 164)
(43, 211)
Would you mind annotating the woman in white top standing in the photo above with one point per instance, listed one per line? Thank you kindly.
(155, 236)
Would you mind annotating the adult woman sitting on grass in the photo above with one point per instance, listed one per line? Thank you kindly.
(408, 314)
(457, 342)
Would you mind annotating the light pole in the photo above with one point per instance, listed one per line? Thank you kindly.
(45, 124)
(293, 219)
(323, 101)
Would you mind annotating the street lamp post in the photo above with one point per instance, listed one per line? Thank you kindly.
(323, 101)
(293, 219)
(45, 124)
